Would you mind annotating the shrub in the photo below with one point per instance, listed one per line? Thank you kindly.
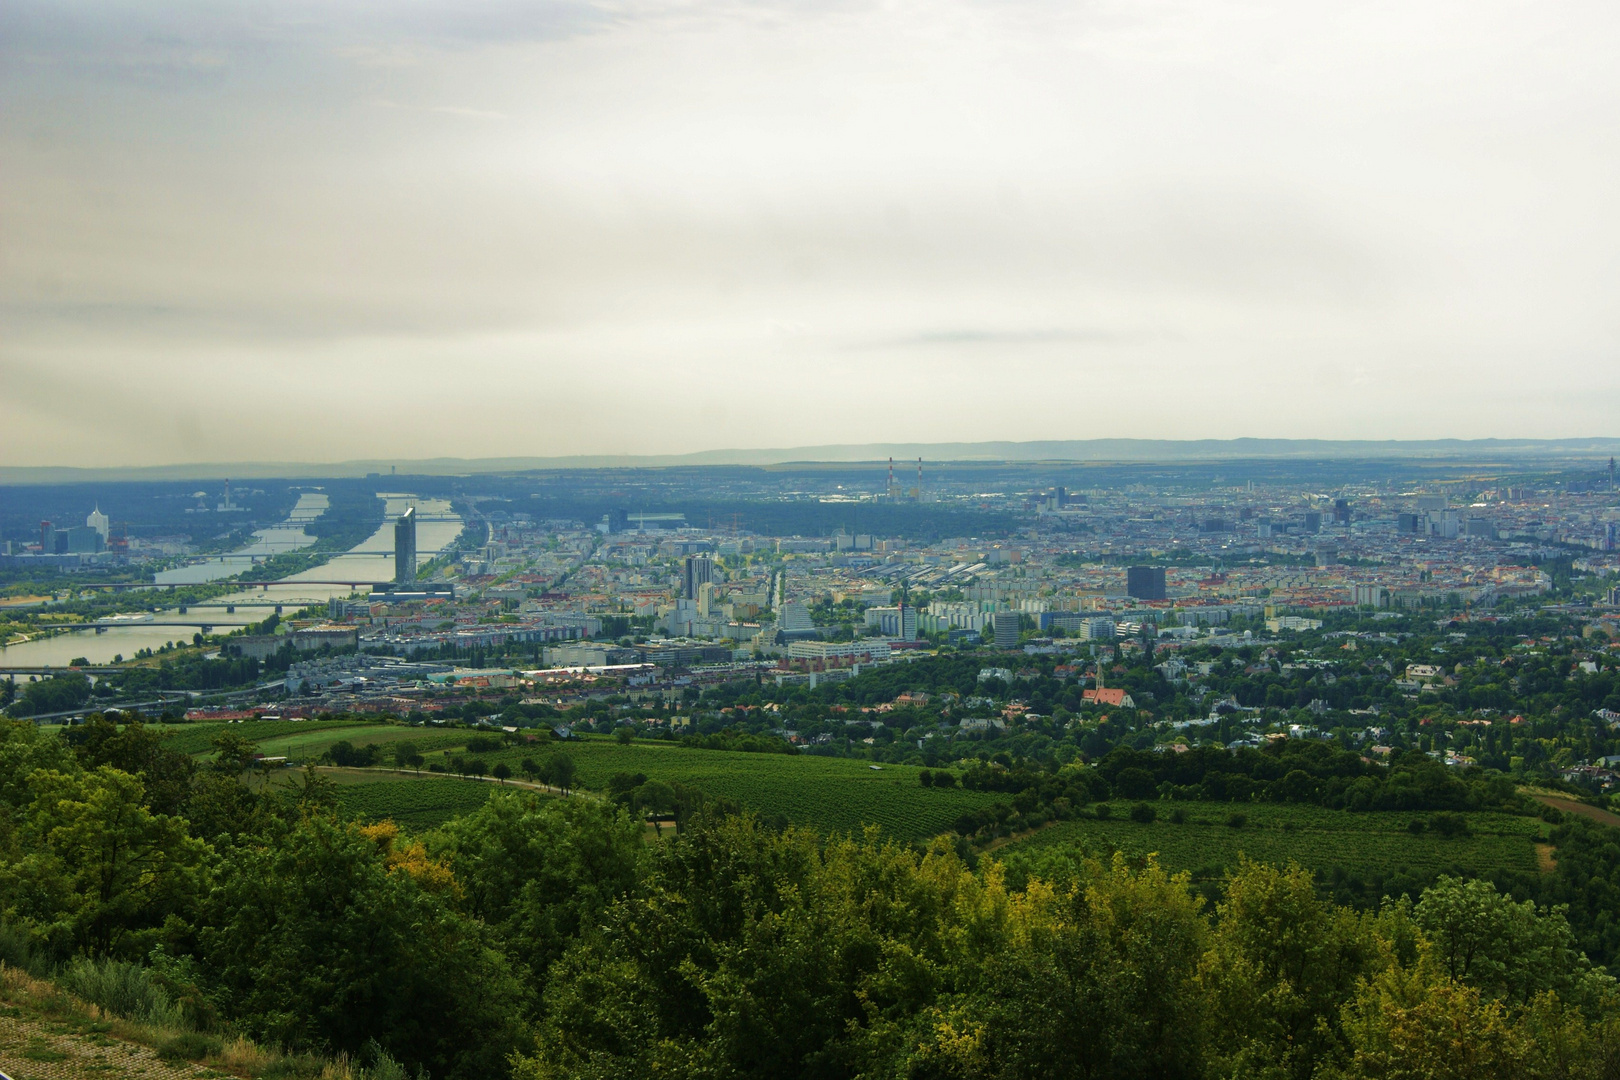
(1178, 816)
(17, 950)
(1143, 813)
(925, 778)
(483, 744)
(122, 988)
(1417, 826)
(188, 1046)
(1104, 811)
(944, 779)
(1237, 821)
(1449, 825)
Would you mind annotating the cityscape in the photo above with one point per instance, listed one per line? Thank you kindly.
(648, 604)
(607, 540)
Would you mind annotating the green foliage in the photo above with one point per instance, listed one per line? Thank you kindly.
(121, 987)
(317, 941)
(1505, 950)
(98, 871)
(138, 750)
(540, 871)
(59, 693)
(1282, 967)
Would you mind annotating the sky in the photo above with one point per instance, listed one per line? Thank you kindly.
(302, 231)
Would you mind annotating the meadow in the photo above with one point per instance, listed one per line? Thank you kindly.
(1368, 847)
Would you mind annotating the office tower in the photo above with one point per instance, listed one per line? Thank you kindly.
(81, 540)
(1408, 523)
(1341, 511)
(697, 572)
(98, 521)
(1005, 624)
(405, 548)
(708, 599)
(1313, 522)
(1145, 582)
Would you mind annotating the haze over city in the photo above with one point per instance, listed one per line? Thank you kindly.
(318, 232)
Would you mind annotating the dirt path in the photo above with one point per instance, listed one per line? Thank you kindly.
(1574, 806)
(1003, 841)
(1546, 859)
(511, 782)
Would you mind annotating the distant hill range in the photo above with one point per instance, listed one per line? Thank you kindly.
(1094, 450)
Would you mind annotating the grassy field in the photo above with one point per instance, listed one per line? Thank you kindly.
(831, 794)
(1366, 846)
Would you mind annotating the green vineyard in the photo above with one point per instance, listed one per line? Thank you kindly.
(1368, 846)
(199, 738)
(413, 804)
(830, 794)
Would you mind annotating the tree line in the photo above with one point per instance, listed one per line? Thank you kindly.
(542, 937)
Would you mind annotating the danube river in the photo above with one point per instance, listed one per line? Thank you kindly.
(372, 560)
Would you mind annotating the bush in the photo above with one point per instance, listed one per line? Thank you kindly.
(1178, 816)
(483, 744)
(1143, 813)
(188, 1046)
(1417, 826)
(17, 950)
(122, 988)
(925, 778)
(1237, 821)
(1449, 825)
(1104, 811)
(944, 779)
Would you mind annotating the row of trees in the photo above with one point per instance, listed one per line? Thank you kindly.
(547, 938)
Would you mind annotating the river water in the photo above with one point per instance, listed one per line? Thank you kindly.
(372, 560)
(289, 535)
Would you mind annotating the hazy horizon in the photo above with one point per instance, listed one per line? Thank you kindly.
(331, 232)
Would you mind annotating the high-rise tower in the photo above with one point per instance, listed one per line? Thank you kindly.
(405, 548)
(697, 572)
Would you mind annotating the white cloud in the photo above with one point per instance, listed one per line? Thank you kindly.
(515, 228)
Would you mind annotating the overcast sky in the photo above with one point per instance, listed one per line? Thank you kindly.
(316, 231)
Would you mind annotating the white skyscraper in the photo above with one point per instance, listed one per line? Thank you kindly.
(98, 521)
